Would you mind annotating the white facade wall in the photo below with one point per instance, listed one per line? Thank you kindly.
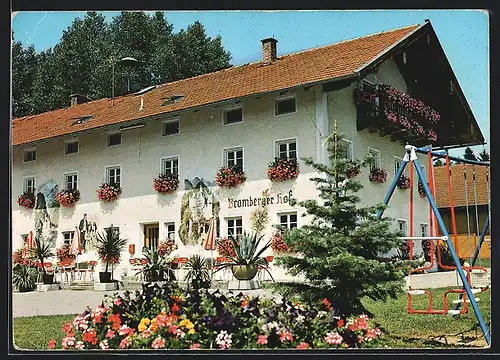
(199, 147)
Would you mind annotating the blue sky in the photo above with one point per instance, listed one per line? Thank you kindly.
(464, 35)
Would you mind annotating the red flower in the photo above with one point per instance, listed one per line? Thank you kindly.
(303, 345)
(51, 344)
(175, 308)
(340, 323)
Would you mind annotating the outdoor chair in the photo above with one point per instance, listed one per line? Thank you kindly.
(81, 270)
(263, 274)
(91, 269)
(181, 269)
(68, 270)
(136, 266)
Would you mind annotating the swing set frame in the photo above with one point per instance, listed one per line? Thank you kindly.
(466, 294)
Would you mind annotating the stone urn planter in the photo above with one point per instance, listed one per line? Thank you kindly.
(104, 277)
(244, 272)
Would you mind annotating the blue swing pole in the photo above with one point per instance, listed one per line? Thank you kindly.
(394, 184)
(476, 253)
(456, 260)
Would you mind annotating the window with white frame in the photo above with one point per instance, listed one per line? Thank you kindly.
(403, 227)
(71, 147)
(68, 237)
(29, 155)
(375, 155)
(286, 149)
(113, 175)
(288, 220)
(170, 165)
(233, 157)
(397, 164)
(233, 115)
(344, 149)
(234, 226)
(114, 139)
(285, 105)
(71, 181)
(170, 230)
(29, 184)
(424, 230)
(170, 127)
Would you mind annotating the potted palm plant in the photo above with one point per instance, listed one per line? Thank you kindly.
(245, 258)
(42, 251)
(109, 246)
(24, 277)
(198, 276)
(154, 269)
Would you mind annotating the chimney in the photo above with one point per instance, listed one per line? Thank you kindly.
(77, 99)
(269, 50)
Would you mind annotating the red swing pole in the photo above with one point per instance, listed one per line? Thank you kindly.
(411, 208)
(453, 222)
(429, 167)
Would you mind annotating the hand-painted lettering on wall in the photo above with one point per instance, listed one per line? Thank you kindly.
(250, 201)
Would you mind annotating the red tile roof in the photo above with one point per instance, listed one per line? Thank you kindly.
(306, 67)
(458, 185)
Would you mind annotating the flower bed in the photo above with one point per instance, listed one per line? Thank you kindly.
(400, 111)
(230, 176)
(68, 198)
(108, 192)
(166, 183)
(403, 182)
(378, 175)
(283, 169)
(27, 200)
(172, 318)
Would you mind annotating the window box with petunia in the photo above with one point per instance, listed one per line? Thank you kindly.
(27, 200)
(403, 182)
(283, 169)
(68, 198)
(166, 183)
(108, 192)
(230, 176)
(378, 175)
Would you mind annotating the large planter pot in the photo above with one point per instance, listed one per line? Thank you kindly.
(104, 277)
(244, 272)
(48, 278)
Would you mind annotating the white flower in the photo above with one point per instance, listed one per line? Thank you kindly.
(300, 318)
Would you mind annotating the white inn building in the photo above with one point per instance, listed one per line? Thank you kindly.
(281, 106)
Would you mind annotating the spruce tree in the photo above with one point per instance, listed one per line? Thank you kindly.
(484, 156)
(469, 154)
(344, 252)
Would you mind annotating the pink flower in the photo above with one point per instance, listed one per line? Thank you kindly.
(262, 340)
(117, 301)
(334, 338)
(104, 345)
(286, 336)
(110, 334)
(79, 345)
(146, 333)
(195, 347)
(158, 343)
(68, 341)
(172, 329)
(303, 345)
(51, 344)
(125, 343)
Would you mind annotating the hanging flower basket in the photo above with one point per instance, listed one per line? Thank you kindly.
(63, 253)
(108, 192)
(68, 198)
(354, 171)
(166, 247)
(283, 169)
(403, 182)
(230, 176)
(225, 248)
(27, 200)
(421, 190)
(166, 183)
(278, 244)
(378, 175)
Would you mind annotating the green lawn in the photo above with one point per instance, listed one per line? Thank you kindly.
(402, 330)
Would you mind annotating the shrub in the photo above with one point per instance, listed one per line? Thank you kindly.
(198, 275)
(171, 318)
(24, 277)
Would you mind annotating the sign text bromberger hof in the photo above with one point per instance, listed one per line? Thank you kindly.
(250, 201)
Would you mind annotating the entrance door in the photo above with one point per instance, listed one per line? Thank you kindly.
(151, 236)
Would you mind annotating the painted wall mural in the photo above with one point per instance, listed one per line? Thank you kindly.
(47, 212)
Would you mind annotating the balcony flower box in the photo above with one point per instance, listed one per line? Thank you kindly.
(27, 200)
(278, 244)
(283, 169)
(378, 175)
(391, 111)
(166, 183)
(108, 192)
(421, 190)
(403, 182)
(68, 198)
(353, 171)
(230, 176)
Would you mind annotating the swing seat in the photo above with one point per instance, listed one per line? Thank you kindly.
(461, 301)
(453, 312)
(416, 292)
(475, 291)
